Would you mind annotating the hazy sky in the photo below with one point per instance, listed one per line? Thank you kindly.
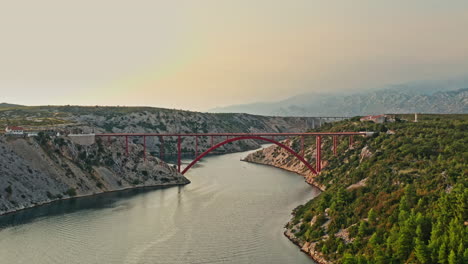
(198, 54)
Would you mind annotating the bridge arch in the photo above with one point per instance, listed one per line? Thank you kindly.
(307, 164)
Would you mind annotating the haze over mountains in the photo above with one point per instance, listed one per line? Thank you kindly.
(422, 97)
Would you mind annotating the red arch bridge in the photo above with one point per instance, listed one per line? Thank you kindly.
(232, 137)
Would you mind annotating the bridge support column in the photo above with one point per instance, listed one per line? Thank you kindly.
(318, 158)
(302, 146)
(161, 148)
(212, 141)
(335, 145)
(351, 141)
(126, 145)
(108, 140)
(178, 153)
(196, 146)
(144, 148)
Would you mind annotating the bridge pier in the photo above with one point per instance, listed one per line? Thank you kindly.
(302, 146)
(196, 146)
(126, 145)
(318, 156)
(178, 153)
(144, 148)
(335, 145)
(161, 147)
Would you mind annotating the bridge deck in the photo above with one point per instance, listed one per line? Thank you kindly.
(230, 134)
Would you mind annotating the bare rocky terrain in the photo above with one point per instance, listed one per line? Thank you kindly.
(35, 171)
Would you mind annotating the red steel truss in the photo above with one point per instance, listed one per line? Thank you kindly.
(232, 137)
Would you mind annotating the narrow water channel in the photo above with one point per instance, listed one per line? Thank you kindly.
(232, 212)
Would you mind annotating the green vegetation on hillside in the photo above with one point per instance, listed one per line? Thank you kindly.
(411, 205)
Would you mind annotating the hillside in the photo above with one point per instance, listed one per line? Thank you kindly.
(39, 170)
(6, 105)
(390, 100)
(393, 198)
(156, 120)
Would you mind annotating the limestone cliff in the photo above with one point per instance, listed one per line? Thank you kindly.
(35, 171)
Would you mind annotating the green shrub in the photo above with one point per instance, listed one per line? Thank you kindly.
(71, 192)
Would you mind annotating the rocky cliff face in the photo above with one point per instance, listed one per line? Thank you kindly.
(166, 121)
(35, 171)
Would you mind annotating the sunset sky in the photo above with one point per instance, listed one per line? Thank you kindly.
(199, 54)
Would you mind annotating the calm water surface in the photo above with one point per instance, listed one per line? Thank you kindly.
(232, 212)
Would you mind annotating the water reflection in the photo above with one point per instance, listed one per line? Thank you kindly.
(232, 212)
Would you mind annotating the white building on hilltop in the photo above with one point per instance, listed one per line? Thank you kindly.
(14, 130)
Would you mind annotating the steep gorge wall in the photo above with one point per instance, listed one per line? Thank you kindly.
(38, 171)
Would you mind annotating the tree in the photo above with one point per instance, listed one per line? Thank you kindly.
(349, 259)
(361, 260)
(379, 257)
(372, 216)
(460, 253)
(421, 251)
(362, 231)
(442, 258)
(410, 194)
(452, 259)
(375, 240)
(325, 249)
(405, 239)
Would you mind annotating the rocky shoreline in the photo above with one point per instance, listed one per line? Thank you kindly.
(307, 248)
(40, 171)
(142, 187)
(276, 157)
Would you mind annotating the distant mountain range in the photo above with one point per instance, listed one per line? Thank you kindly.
(407, 98)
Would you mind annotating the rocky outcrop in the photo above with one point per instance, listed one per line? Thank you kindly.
(281, 158)
(365, 154)
(36, 171)
(359, 184)
(306, 247)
